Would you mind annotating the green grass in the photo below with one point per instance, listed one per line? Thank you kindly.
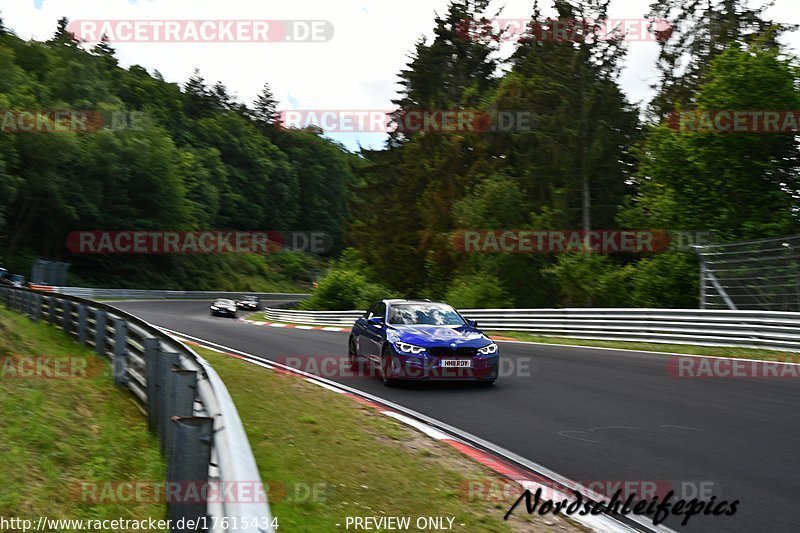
(57, 433)
(363, 463)
(720, 351)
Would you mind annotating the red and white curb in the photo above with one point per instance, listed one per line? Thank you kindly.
(457, 439)
(284, 325)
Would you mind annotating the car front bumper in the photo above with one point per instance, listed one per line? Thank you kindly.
(429, 368)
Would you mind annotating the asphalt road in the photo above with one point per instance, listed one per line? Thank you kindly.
(587, 414)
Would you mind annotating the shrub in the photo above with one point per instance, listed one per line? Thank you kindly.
(590, 280)
(476, 291)
(344, 290)
(668, 280)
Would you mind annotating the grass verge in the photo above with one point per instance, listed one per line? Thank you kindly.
(327, 457)
(689, 349)
(58, 432)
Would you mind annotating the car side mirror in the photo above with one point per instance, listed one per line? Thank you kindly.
(473, 323)
(376, 321)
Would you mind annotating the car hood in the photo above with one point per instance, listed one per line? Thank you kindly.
(438, 335)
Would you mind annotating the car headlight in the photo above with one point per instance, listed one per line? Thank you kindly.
(214, 307)
(409, 348)
(488, 350)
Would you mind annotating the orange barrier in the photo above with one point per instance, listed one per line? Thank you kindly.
(42, 288)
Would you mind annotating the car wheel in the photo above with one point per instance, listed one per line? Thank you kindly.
(387, 371)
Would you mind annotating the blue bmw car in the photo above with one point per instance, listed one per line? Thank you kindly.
(422, 340)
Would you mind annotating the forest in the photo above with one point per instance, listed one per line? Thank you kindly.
(199, 159)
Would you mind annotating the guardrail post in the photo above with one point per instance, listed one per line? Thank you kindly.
(193, 438)
(152, 359)
(36, 314)
(182, 387)
(169, 360)
(120, 351)
(82, 325)
(66, 316)
(100, 319)
(703, 277)
(52, 306)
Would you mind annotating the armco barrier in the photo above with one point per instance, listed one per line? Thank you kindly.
(748, 329)
(158, 294)
(187, 404)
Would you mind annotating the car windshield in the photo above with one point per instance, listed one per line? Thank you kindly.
(224, 302)
(428, 314)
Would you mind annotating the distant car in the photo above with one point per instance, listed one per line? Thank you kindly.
(14, 280)
(249, 303)
(224, 308)
(422, 340)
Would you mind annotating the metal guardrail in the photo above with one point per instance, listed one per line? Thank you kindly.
(747, 329)
(157, 294)
(322, 318)
(187, 405)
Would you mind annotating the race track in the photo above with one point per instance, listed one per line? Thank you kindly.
(586, 414)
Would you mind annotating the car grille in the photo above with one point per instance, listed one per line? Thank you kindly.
(445, 351)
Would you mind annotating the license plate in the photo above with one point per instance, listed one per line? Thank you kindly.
(456, 363)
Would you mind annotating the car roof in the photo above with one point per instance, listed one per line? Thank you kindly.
(413, 301)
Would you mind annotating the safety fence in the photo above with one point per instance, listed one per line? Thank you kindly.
(187, 405)
(747, 329)
(158, 294)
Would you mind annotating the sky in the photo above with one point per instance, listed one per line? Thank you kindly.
(354, 69)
